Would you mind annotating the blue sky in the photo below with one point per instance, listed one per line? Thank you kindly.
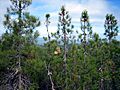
(97, 9)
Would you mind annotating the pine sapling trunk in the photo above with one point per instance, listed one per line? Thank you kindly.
(84, 33)
(19, 58)
(50, 76)
(19, 68)
(49, 54)
(65, 54)
(65, 59)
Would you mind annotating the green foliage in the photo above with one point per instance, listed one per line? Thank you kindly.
(62, 63)
(111, 28)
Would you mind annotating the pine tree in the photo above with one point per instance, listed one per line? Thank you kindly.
(64, 29)
(111, 28)
(87, 31)
(20, 33)
(47, 65)
(111, 31)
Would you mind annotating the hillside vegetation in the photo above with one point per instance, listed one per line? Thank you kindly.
(69, 60)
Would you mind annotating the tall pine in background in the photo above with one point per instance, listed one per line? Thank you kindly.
(111, 31)
(85, 36)
(64, 29)
(111, 28)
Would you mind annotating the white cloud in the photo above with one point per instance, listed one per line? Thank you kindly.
(43, 31)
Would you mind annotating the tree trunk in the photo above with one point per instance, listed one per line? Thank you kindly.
(19, 67)
(65, 59)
